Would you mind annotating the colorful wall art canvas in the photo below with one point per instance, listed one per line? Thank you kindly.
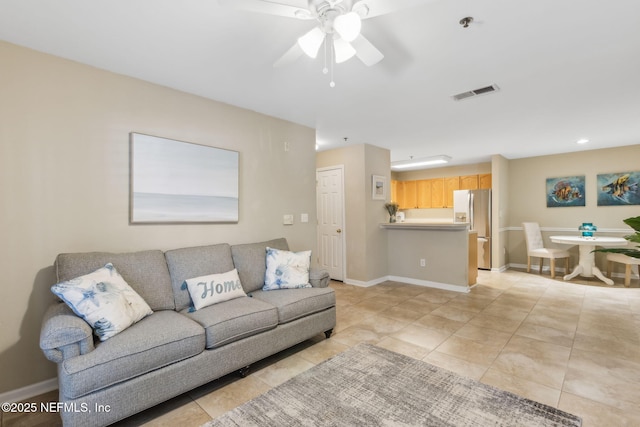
(565, 191)
(616, 189)
(181, 182)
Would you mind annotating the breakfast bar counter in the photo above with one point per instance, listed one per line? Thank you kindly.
(431, 253)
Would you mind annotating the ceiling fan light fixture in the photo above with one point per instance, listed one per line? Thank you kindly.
(415, 163)
(310, 43)
(343, 50)
(348, 26)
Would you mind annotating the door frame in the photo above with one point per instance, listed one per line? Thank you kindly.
(343, 214)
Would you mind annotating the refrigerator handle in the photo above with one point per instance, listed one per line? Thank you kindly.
(471, 219)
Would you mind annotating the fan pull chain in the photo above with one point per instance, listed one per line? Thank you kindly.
(325, 70)
(332, 83)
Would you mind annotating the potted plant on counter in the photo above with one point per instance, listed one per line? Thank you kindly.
(392, 208)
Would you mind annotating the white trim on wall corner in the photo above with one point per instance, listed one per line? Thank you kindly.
(30, 391)
(572, 230)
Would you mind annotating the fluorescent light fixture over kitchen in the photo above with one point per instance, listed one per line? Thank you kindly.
(416, 163)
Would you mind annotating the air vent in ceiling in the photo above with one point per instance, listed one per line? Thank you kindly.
(476, 92)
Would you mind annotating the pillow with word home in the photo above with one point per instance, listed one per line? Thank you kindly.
(214, 288)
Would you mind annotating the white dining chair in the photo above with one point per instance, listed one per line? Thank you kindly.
(622, 259)
(535, 248)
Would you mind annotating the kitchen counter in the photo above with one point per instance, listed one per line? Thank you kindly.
(443, 226)
(431, 253)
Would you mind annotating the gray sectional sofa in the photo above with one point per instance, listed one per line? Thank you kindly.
(173, 350)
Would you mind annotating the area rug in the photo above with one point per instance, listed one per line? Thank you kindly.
(371, 386)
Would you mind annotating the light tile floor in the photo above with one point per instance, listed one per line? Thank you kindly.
(572, 345)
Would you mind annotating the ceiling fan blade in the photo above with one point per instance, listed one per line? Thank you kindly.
(289, 56)
(271, 7)
(372, 8)
(366, 52)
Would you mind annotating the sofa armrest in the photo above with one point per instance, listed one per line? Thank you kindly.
(319, 278)
(63, 334)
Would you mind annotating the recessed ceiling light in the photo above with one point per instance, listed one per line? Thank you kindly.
(582, 141)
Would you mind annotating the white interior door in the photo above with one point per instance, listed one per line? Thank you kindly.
(330, 203)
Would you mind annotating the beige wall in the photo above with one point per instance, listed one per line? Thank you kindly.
(365, 241)
(527, 198)
(64, 181)
(499, 211)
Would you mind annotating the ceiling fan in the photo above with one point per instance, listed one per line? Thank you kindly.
(338, 24)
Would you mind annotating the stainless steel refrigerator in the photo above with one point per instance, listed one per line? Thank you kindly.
(474, 207)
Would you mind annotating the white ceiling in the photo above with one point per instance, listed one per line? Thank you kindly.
(567, 69)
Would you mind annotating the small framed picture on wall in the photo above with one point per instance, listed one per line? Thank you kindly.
(378, 187)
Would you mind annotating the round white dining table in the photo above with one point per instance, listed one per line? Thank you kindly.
(587, 264)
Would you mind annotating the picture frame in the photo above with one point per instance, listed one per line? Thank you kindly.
(618, 189)
(565, 191)
(378, 187)
(181, 182)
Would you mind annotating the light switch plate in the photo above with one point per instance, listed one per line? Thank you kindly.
(287, 219)
(304, 217)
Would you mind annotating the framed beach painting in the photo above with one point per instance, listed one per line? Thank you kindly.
(618, 189)
(565, 191)
(180, 182)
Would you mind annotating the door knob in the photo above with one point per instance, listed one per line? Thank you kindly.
(339, 230)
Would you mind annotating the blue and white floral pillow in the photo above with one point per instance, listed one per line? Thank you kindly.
(104, 300)
(287, 270)
(214, 288)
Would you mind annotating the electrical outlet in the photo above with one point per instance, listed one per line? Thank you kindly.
(286, 146)
(423, 262)
(287, 219)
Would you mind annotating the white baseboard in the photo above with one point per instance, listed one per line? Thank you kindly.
(429, 284)
(365, 284)
(27, 392)
(409, 280)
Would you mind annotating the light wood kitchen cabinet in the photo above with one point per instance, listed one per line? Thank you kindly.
(484, 181)
(424, 194)
(450, 185)
(411, 194)
(437, 192)
(473, 258)
(469, 182)
(394, 190)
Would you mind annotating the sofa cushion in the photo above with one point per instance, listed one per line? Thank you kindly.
(293, 304)
(104, 300)
(163, 338)
(146, 272)
(187, 263)
(235, 319)
(250, 260)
